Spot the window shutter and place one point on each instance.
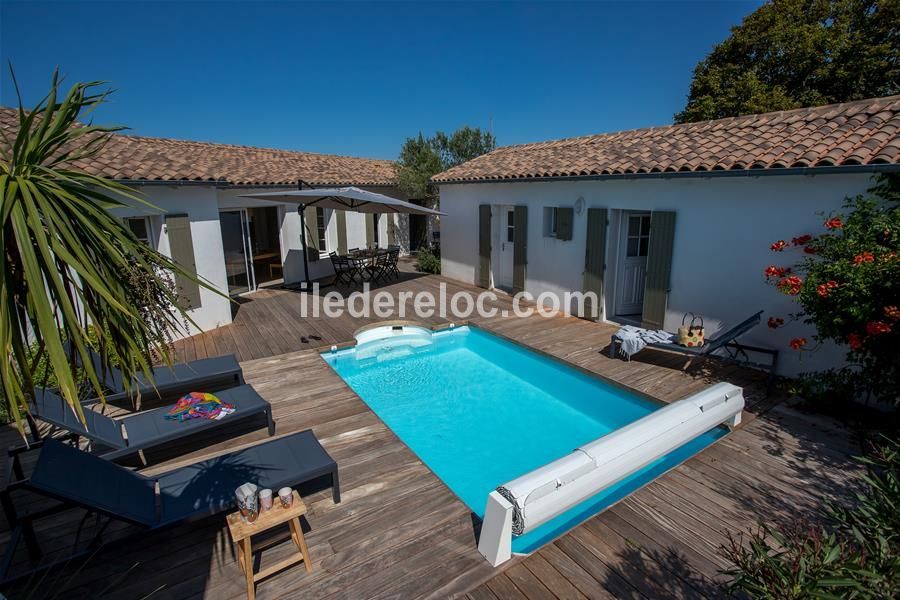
(370, 230)
(564, 217)
(484, 246)
(520, 248)
(181, 249)
(659, 269)
(595, 260)
(312, 233)
(341, 231)
(391, 229)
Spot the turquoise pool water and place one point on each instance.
(480, 411)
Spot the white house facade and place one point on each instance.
(198, 217)
(657, 230)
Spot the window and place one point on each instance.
(510, 226)
(550, 220)
(140, 227)
(638, 235)
(321, 226)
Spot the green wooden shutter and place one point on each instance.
(595, 260)
(564, 217)
(312, 233)
(181, 250)
(520, 248)
(370, 230)
(484, 245)
(391, 229)
(659, 268)
(341, 217)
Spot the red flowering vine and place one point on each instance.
(775, 322)
(801, 240)
(834, 223)
(892, 312)
(864, 257)
(773, 271)
(778, 246)
(855, 340)
(877, 328)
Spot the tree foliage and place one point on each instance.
(848, 286)
(795, 53)
(72, 272)
(422, 158)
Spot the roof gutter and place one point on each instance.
(227, 184)
(834, 170)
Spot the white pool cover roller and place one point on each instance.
(531, 500)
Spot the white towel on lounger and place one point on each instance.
(634, 339)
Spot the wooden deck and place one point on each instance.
(400, 533)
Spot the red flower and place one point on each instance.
(775, 322)
(892, 313)
(801, 240)
(778, 246)
(832, 284)
(790, 285)
(773, 271)
(855, 341)
(809, 250)
(798, 343)
(865, 257)
(834, 223)
(822, 290)
(877, 327)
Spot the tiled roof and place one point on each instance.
(128, 157)
(855, 133)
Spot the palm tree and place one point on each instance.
(72, 271)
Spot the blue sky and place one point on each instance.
(352, 78)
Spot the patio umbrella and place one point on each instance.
(340, 198)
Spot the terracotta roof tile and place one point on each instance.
(854, 133)
(129, 157)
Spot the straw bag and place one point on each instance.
(691, 335)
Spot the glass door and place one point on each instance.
(238, 255)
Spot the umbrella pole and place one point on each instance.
(301, 208)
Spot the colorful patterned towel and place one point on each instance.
(199, 405)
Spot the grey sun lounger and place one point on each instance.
(78, 479)
(204, 375)
(727, 341)
(146, 429)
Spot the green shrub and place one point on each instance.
(854, 554)
(429, 260)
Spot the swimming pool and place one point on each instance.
(481, 411)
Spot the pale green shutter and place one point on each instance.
(484, 245)
(312, 233)
(595, 260)
(341, 231)
(181, 250)
(391, 229)
(659, 269)
(520, 248)
(564, 218)
(370, 230)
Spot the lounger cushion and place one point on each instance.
(194, 372)
(53, 409)
(70, 474)
(208, 487)
(151, 427)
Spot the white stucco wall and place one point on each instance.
(200, 204)
(724, 226)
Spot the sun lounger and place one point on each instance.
(726, 341)
(78, 479)
(207, 374)
(146, 429)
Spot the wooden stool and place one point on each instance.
(242, 531)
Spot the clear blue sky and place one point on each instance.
(358, 79)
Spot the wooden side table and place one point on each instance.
(242, 531)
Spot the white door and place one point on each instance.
(238, 253)
(503, 273)
(633, 264)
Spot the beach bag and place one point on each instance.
(691, 335)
